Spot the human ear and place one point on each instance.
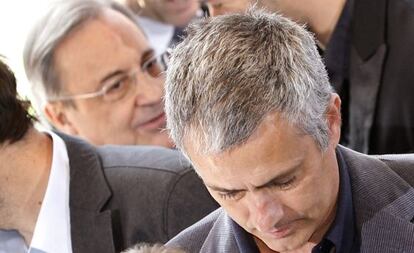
(56, 114)
(333, 118)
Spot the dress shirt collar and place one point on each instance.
(52, 230)
(341, 234)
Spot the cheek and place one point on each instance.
(312, 199)
(156, 138)
(114, 119)
(305, 199)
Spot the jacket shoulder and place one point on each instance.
(195, 237)
(144, 157)
(402, 164)
(156, 191)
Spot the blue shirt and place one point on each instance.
(340, 237)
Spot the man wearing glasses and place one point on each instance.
(61, 194)
(95, 76)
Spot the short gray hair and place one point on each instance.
(233, 70)
(62, 18)
(148, 248)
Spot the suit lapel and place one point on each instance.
(383, 205)
(368, 53)
(92, 229)
(365, 81)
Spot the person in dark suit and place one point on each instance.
(61, 194)
(366, 46)
(255, 113)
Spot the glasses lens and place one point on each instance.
(157, 65)
(117, 89)
(154, 67)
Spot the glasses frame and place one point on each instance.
(161, 59)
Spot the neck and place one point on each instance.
(24, 173)
(322, 18)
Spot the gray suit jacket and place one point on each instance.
(123, 195)
(383, 195)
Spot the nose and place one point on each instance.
(149, 91)
(265, 211)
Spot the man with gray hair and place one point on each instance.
(249, 102)
(367, 49)
(94, 74)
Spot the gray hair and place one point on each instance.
(148, 248)
(62, 18)
(233, 70)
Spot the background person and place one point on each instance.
(366, 47)
(94, 74)
(164, 20)
(258, 119)
(60, 194)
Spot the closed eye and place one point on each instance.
(116, 85)
(285, 185)
(230, 195)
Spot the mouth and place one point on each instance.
(154, 123)
(281, 231)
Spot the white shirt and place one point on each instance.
(52, 230)
(159, 34)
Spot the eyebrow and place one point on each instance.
(278, 179)
(145, 56)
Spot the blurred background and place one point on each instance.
(16, 18)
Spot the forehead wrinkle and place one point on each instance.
(229, 178)
(110, 31)
(254, 163)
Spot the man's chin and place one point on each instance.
(284, 244)
(155, 139)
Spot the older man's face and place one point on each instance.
(278, 186)
(103, 52)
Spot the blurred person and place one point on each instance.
(60, 194)
(95, 76)
(367, 50)
(148, 248)
(164, 20)
(258, 119)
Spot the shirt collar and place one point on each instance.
(342, 230)
(12, 241)
(52, 230)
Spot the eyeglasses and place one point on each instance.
(116, 89)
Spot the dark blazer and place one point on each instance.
(383, 195)
(381, 105)
(123, 195)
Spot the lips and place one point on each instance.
(281, 231)
(156, 122)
